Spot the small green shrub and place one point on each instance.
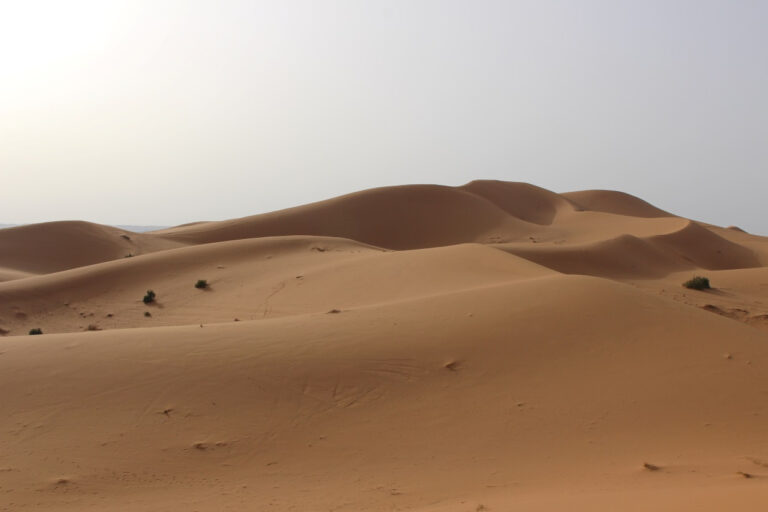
(147, 314)
(149, 297)
(201, 284)
(36, 330)
(697, 283)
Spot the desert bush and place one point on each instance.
(201, 284)
(36, 330)
(697, 283)
(147, 314)
(149, 297)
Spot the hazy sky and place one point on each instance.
(164, 112)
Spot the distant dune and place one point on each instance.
(126, 227)
(494, 346)
(54, 246)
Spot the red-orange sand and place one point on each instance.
(494, 346)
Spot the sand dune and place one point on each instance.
(624, 256)
(612, 201)
(54, 246)
(494, 346)
(521, 200)
(9, 274)
(690, 247)
(706, 249)
(407, 217)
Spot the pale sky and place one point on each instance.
(165, 112)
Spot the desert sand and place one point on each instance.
(494, 346)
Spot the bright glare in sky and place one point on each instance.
(167, 112)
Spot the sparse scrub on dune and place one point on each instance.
(147, 314)
(697, 283)
(201, 284)
(36, 330)
(149, 297)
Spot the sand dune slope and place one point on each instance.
(612, 201)
(492, 397)
(248, 279)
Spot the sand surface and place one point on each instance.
(494, 346)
